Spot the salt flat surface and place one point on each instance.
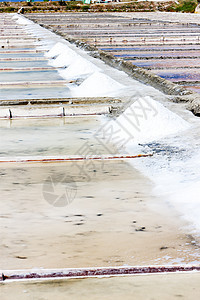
(171, 135)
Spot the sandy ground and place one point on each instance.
(143, 287)
(113, 220)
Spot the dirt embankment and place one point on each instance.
(62, 6)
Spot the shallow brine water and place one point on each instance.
(34, 93)
(29, 76)
(20, 55)
(23, 64)
(48, 137)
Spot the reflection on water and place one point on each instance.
(23, 64)
(20, 55)
(30, 76)
(62, 136)
(35, 93)
(166, 63)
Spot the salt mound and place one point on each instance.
(58, 49)
(78, 68)
(64, 55)
(98, 84)
(64, 59)
(147, 120)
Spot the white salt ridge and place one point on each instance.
(64, 59)
(57, 49)
(62, 54)
(21, 20)
(147, 120)
(180, 191)
(186, 200)
(182, 187)
(98, 84)
(77, 66)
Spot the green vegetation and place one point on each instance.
(85, 7)
(9, 10)
(72, 6)
(187, 6)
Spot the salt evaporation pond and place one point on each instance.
(151, 40)
(105, 206)
(181, 148)
(172, 139)
(167, 63)
(34, 93)
(32, 76)
(23, 64)
(21, 55)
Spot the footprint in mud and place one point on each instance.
(141, 229)
(78, 215)
(21, 257)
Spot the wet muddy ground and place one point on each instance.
(112, 220)
(107, 216)
(170, 286)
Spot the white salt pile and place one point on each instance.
(76, 66)
(61, 55)
(57, 49)
(21, 20)
(146, 120)
(95, 84)
(98, 84)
